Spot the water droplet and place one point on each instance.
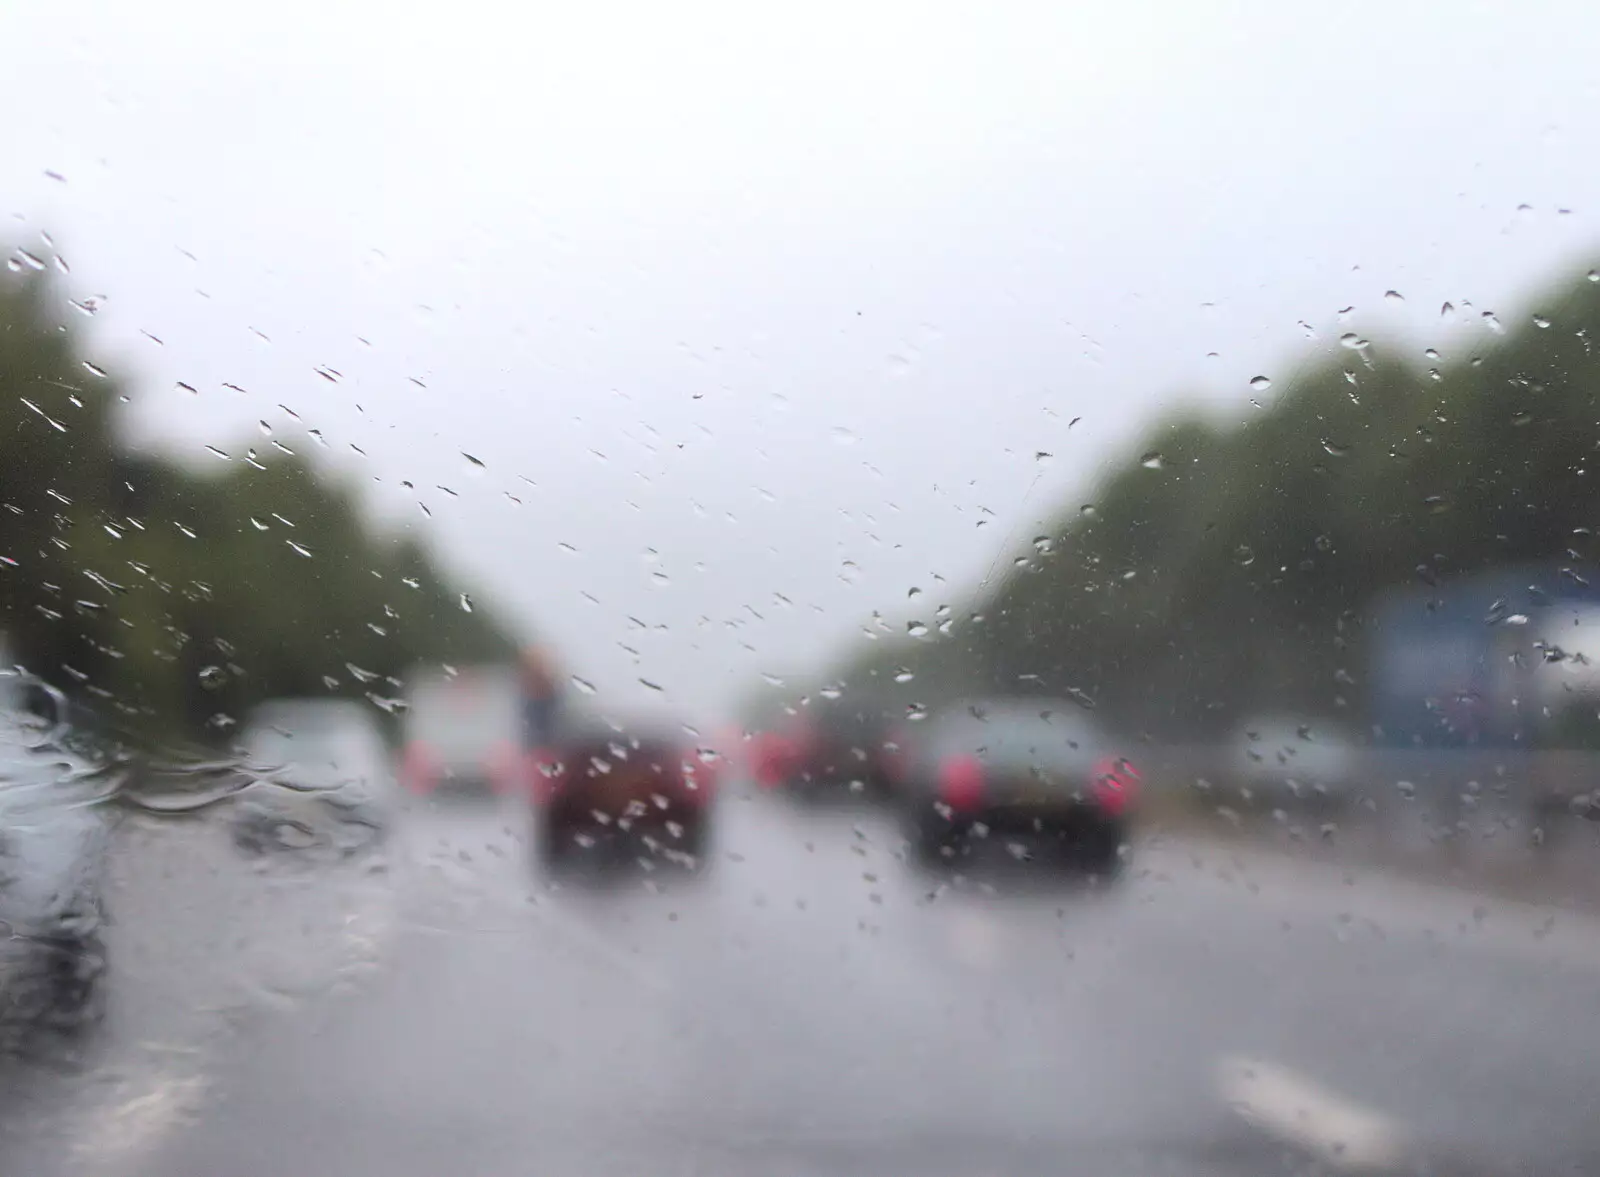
(916, 629)
(94, 369)
(1491, 322)
(1088, 510)
(1522, 418)
(266, 430)
(904, 675)
(211, 449)
(1353, 341)
(1541, 322)
(831, 691)
(772, 680)
(1043, 544)
(913, 593)
(1431, 353)
(299, 548)
(916, 712)
(1593, 275)
(213, 677)
(653, 686)
(1447, 311)
(478, 462)
(1152, 460)
(1335, 448)
(583, 685)
(1043, 456)
(259, 526)
(660, 579)
(1261, 383)
(1394, 296)
(1244, 554)
(842, 436)
(466, 603)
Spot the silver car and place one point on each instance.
(320, 778)
(54, 834)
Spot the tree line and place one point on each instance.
(1224, 570)
(167, 601)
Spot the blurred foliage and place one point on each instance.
(1226, 571)
(168, 601)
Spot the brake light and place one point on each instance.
(773, 756)
(1116, 785)
(504, 765)
(961, 783)
(418, 770)
(546, 775)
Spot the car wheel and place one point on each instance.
(935, 840)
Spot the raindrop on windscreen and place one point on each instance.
(1394, 296)
(584, 685)
(1261, 383)
(916, 629)
(1337, 449)
(212, 677)
(916, 712)
(904, 675)
(831, 692)
(466, 603)
(1353, 341)
(1244, 554)
(300, 549)
(1541, 321)
(653, 686)
(772, 680)
(913, 593)
(843, 436)
(477, 462)
(1042, 456)
(1431, 353)
(1152, 460)
(1522, 418)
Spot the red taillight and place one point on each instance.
(504, 768)
(1116, 785)
(418, 770)
(546, 774)
(961, 783)
(773, 757)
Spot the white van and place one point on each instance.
(462, 730)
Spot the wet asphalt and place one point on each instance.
(808, 1003)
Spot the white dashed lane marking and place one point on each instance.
(1297, 1112)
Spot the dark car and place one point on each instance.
(837, 745)
(607, 786)
(53, 841)
(1034, 769)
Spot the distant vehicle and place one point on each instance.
(1292, 763)
(321, 778)
(53, 841)
(834, 746)
(642, 787)
(462, 732)
(1033, 768)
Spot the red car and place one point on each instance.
(643, 790)
(835, 747)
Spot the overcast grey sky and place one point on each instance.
(769, 299)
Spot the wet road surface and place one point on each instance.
(812, 1005)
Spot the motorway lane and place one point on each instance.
(813, 1005)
